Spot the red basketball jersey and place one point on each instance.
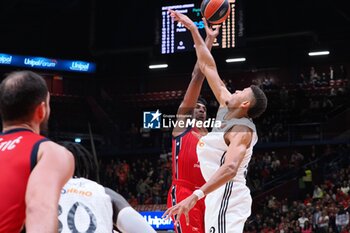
(18, 156)
(185, 160)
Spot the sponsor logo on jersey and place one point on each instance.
(76, 191)
(200, 143)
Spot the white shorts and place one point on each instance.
(227, 208)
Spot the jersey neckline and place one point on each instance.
(15, 130)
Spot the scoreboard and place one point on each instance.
(176, 38)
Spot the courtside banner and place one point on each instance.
(154, 218)
(47, 63)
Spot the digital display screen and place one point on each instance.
(176, 38)
(47, 63)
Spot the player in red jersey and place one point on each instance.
(186, 174)
(33, 169)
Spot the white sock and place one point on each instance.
(130, 221)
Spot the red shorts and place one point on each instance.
(196, 215)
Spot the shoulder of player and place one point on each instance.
(239, 133)
(110, 192)
(180, 131)
(53, 148)
(113, 195)
(240, 129)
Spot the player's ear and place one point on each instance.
(40, 112)
(246, 104)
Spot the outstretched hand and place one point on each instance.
(212, 31)
(181, 208)
(179, 17)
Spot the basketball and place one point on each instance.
(215, 11)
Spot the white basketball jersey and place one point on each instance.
(84, 206)
(211, 148)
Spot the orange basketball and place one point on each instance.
(215, 11)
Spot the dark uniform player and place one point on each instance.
(186, 172)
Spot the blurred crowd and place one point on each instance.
(147, 180)
(140, 181)
(323, 208)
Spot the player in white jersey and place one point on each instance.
(224, 153)
(86, 206)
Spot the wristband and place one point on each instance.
(199, 193)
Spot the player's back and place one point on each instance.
(84, 206)
(18, 157)
(185, 160)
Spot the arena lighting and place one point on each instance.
(318, 53)
(158, 66)
(77, 140)
(239, 59)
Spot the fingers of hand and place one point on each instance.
(205, 22)
(177, 218)
(169, 212)
(187, 219)
(216, 27)
(172, 13)
(166, 214)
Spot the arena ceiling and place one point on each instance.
(91, 28)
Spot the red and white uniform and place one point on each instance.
(187, 177)
(18, 157)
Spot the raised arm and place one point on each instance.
(205, 59)
(194, 88)
(54, 168)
